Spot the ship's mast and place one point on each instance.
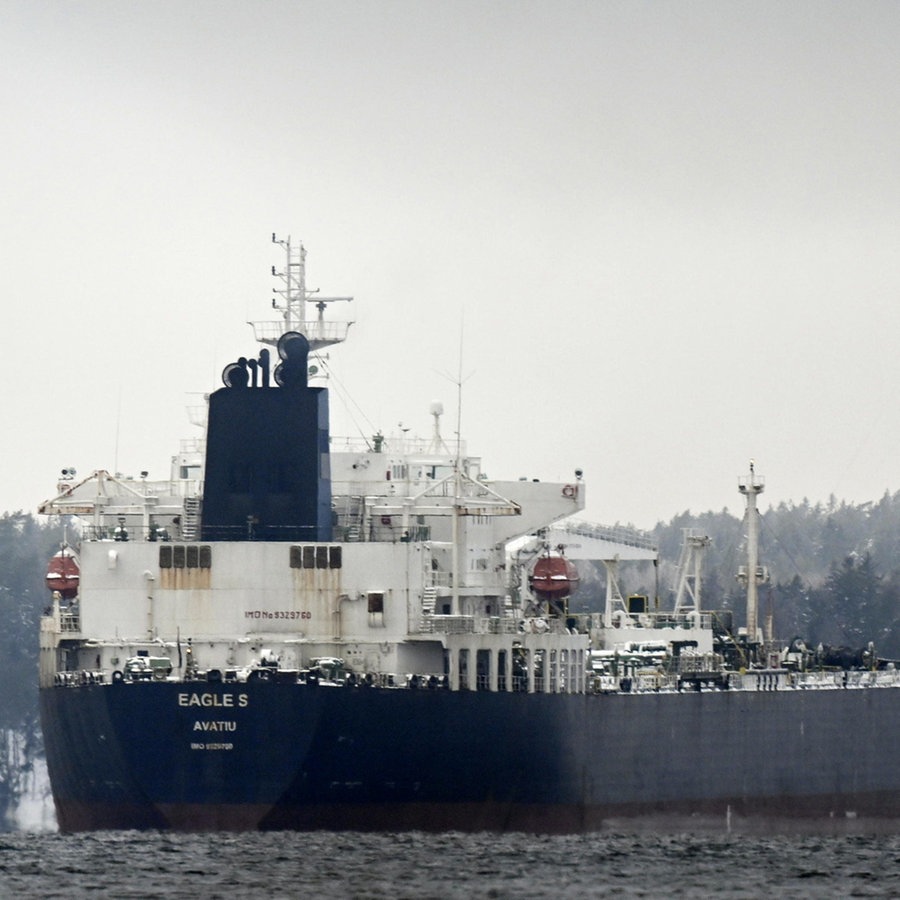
(291, 301)
(294, 307)
(690, 567)
(751, 486)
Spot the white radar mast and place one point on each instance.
(752, 574)
(291, 301)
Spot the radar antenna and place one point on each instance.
(291, 299)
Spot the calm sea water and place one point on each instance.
(290, 865)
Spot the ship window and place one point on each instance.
(181, 556)
(376, 601)
(315, 557)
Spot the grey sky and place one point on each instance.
(667, 232)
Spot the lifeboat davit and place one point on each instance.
(63, 574)
(553, 578)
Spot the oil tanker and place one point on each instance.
(299, 631)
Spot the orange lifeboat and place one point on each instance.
(63, 574)
(553, 578)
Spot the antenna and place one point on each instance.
(457, 478)
(459, 384)
(291, 300)
(294, 309)
(118, 427)
(437, 441)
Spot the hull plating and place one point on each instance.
(197, 756)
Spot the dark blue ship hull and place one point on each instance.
(260, 755)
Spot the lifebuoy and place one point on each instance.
(569, 491)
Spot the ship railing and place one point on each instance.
(645, 682)
(699, 662)
(615, 534)
(439, 579)
(442, 624)
(818, 680)
(538, 625)
(255, 531)
(654, 681)
(189, 446)
(124, 533)
(495, 625)
(349, 528)
(448, 625)
(331, 332)
(69, 622)
(583, 622)
(883, 678)
(602, 683)
(78, 679)
(853, 678)
(397, 445)
(413, 495)
(664, 620)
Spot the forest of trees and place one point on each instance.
(26, 544)
(834, 579)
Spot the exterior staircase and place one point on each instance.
(190, 520)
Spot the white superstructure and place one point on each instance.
(414, 582)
